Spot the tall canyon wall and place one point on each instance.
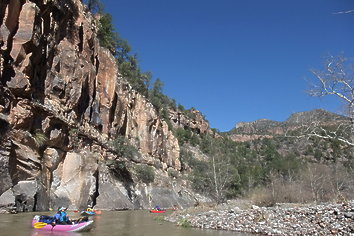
(62, 104)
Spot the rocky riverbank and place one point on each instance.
(323, 219)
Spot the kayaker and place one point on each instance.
(89, 208)
(61, 217)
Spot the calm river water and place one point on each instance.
(122, 223)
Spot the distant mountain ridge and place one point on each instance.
(264, 128)
(316, 114)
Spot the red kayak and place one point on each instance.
(157, 211)
(98, 212)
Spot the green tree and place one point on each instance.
(181, 107)
(183, 135)
(218, 176)
(160, 101)
(106, 34)
(131, 71)
(122, 52)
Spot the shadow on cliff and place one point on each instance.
(121, 173)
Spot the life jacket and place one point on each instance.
(61, 217)
(46, 219)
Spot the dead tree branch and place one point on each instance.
(336, 79)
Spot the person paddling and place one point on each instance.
(61, 217)
(157, 208)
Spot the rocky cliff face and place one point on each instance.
(259, 129)
(195, 122)
(62, 104)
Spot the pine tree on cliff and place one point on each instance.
(106, 35)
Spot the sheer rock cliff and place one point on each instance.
(63, 105)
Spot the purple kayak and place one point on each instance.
(80, 227)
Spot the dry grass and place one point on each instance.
(317, 183)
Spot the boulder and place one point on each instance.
(24, 193)
(7, 201)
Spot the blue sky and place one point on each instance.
(236, 60)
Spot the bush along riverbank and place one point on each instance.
(322, 219)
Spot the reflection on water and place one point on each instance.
(43, 233)
(122, 223)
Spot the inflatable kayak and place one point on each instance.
(157, 211)
(80, 227)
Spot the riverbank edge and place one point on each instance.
(283, 219)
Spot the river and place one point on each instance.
(122, 223)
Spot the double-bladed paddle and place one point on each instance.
(39, 225)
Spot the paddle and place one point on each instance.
(39, 225)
